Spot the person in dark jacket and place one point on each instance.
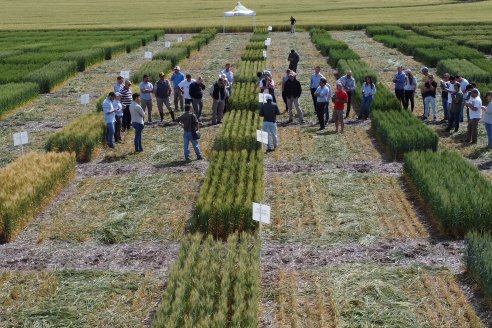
(196, 93)
(163, 91)
(218, 92)
(293, 60)
(293, 90)
(269, 112)
(189, 123)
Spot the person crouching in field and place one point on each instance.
(138, 116)
(269, 112)
(189, 122)
(340, 98)
(109, 117)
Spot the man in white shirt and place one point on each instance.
(120, 83)
(109, 118)
(463, 83)
(229, 74)
(146, 90)
(184, 87)
(475, 106)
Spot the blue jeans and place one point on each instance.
(445, 107)
(462, 108)
(110, 134)
(138, 136)
(187, 137)
(365, 107)
(271, 129)
(488, 128)
(327, 112)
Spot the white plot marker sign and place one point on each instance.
(148, 55)
(20, 139)
(125, 74)
(264, 54)
(261, 213)
(167, 44)
(180, 39)
(84, 99)
(262, 136)
(262, 98)
(270, 28)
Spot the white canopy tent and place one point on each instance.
(240, 10)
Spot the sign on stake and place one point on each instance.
(264, 54)
(262, 98)
(85, 99)
(180, 39)
(262, 136)
(167, 44)
(125, 74)
(20, 139)
(270, 28)
(148, 55)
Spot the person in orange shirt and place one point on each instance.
(340, 98)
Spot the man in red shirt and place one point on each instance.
(340, 98)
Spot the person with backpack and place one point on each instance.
(163, 91)
(189, 122)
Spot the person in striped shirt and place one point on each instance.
(126, 100)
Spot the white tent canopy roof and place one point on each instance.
(239, 10)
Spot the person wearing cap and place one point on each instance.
(177, 77)
(349, 86)
(456, 96)
(184, 88)
(475, 106)
(109, 118)
(409, 88)
(340, 98)
(314, 83)
(269, 112)
(219, 93)
(463, 83)
(196, 93)
(126, 100)
(118, 117)
(444, 95)
(323, 95)
(189, 122)
(163, 91)
(138, 116)
(487, 119)
(368, 93)
(293, 60)
(399, 81)
(120, 83)
(429, 94)
(229, 75)
(293, 91)
(146, 90)
(267, 85)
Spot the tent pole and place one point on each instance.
(254, 23)
(223, 26)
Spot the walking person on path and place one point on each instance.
(292, 24)
(340, 98)
(293, 91)
(163, 91)
(269, 112)
(184, 88)
(429, 94)
(189, 122)
(410, 87)
(109, 118)
(177, 77)
(293, 60)
(126, 100)
(314, 83)
(196, 93)
(218, 92)
(118, 117)
(146, 90)
(475, 106)
(399, 81)
(349, 86)
(487, 119)
(138, 116)
(456, 96)
(323, 94)
(368, 93)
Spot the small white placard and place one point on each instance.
(269, 40)
(180, 39)
(261, 98)
(264, 54)
(262, 136)
(167, 44)
(21, 138)
(148, 55)
(270, 28)
(125, 74)
(261, 213)
(84, 99)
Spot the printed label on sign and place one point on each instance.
(264, 54)
(262, 98)
(125, 74)
(267, 43)
(148, 55)
(167, 44)
(261, 213)
(20, 138)
(84, 99)
(262, 136)
(270, 28)
(180, 39)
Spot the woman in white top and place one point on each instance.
(409, 89)
(368, 93)
(487, 118)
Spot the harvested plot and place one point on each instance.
(27, 185)
(213, 284)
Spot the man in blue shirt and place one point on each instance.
(109, 117)
(399, 81)
(176, 78)
(322, 94)
(314, 83)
